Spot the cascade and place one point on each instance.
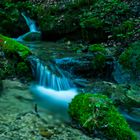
(50, 76)
(53, 90)
(33, 34)
(30, 23)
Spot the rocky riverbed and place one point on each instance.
(18, 120)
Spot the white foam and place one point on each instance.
(54, 101)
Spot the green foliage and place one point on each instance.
(101, 17)
(130, 58)
(91, 22)
(95, 18)
(125, 30)
(81, 3)
(97, 112)
(10, 14)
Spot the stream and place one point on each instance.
(48, 51)
(21, 119)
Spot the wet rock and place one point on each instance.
(30, 36)
(86, 109)
(76, 65)
(9, 84)
(123, 94)
(84, 66)
(17, 120)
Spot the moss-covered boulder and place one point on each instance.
(130, 59)
(12, 48)
(99, 59)
(97, 113)
(14, 61)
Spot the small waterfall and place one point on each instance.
(30, 23)
(53, 91)
(50, 76)
(33, 34)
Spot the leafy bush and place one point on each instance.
(124, 30)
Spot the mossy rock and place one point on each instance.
(92, 22)
(12, 47)
(15, 62)
(97, 48)
(130, 58)
(99, 58)
(97, 112)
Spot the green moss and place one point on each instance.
(99, 58)
(15, 62)
(91, 22)
(117, 127)
(95, 19)
(22, 68)
(124, 30)
(97, 112)
(98, 61)
(97, 48)
(130, 58)
(12, 47)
